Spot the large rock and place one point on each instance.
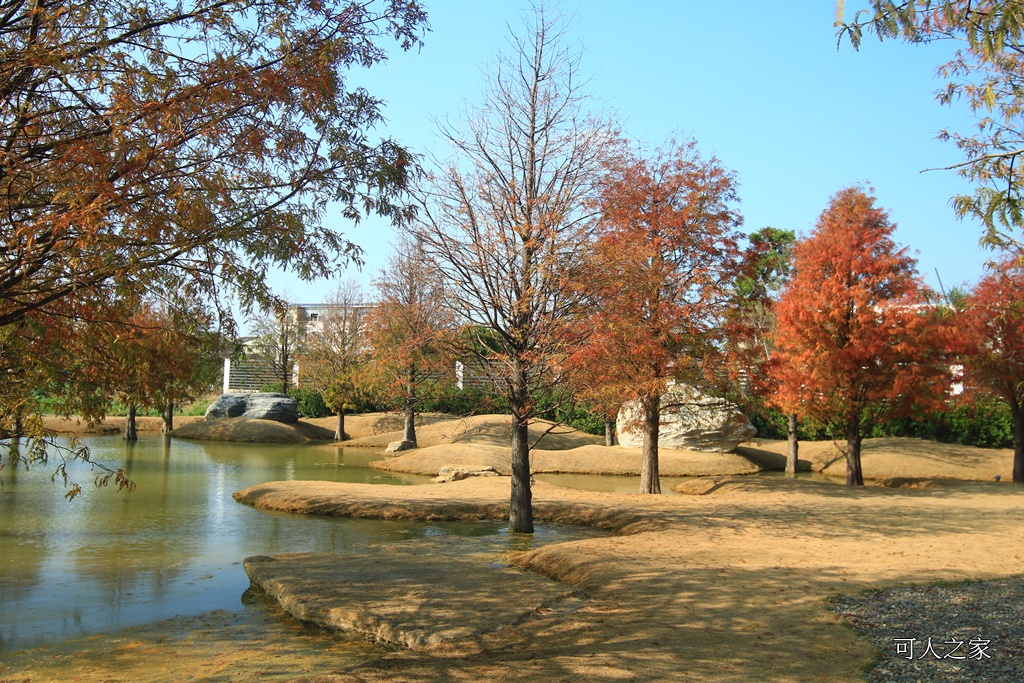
(694, 421)
(257, 406)
(228, 405)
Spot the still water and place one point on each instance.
(174, 547)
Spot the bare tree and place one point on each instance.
(278, 338)
(507, 223)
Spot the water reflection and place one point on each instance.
(174, 546)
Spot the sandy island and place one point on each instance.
(726, 586)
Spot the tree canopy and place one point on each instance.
(333, 356)
(410, 332)
(198, 143)
(986, 73)
(765, 267)
(166, 152)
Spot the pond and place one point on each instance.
(174, 547)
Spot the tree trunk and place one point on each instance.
(794, 446)
(339, 429)
(520, 511)
(130, 434)
(854, 475)
(168, 425)
(285, 362)
(650, 482)
(410, 418)
(1018, 441)
(609, 432)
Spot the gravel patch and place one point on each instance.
(970, 631)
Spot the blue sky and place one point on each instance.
(760, 85)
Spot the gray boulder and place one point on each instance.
(694, 421)
(277, 407)
(398, 446)
(228, 405)
(256, 406)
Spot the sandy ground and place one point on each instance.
(588, 459)
(240, 429)
(369, 430)
(112, 424)
(253, 431)
(435, 429)
(894, 457)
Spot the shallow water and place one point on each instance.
(174, 547)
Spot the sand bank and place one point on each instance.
(723, 587)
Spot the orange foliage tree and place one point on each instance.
(856, 339)
(148, 359)
(143, 353)
(410, 332)
(198, 140)
(991, 327)
(333, 356)
(660, 280)
(186, 146)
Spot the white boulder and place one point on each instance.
(690, 420)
